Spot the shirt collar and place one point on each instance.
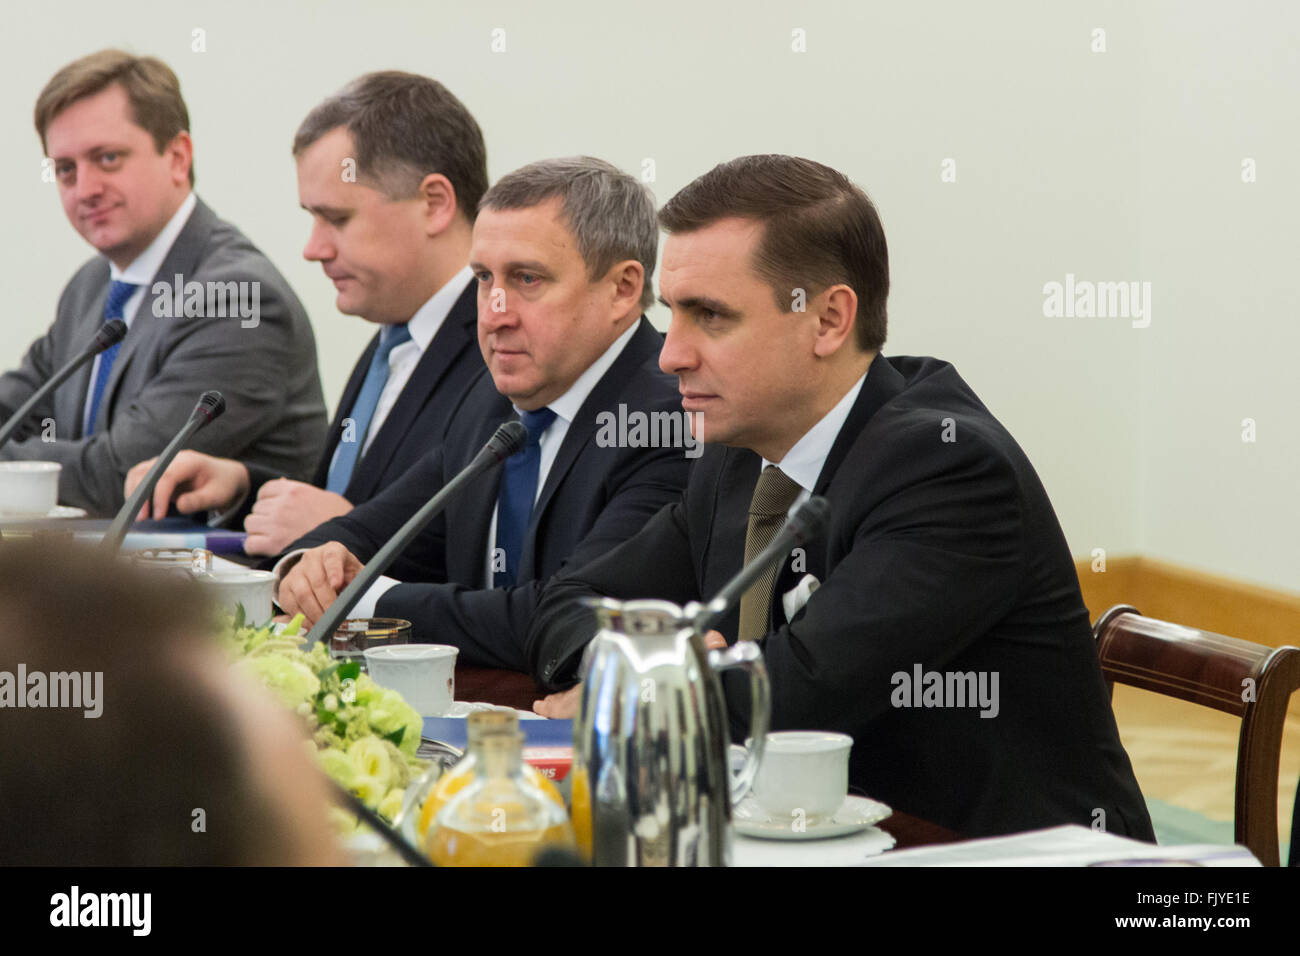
(146, 265)
(428, 319)
(803, 463)
(568, 404)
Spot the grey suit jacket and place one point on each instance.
(264, 364)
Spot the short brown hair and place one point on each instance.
(151, 88)
(404, 127)
(818, 229)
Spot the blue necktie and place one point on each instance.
(518, 489)
(363, 409)
(118, 293)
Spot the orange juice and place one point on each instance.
(581, 812)
(493, 809)
(448, 847)
(452, 782)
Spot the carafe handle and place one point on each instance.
(747, 656)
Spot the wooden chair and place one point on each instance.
(1250, 681)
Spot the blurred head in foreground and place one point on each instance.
(128, 740)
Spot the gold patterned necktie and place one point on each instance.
(773, 496)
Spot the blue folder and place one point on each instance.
(537, 733)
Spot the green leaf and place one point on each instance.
(239, 616)
(396, 736)
(349, 669)
(325, 674)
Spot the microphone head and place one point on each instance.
(509, 438)
(810, 519)
(109, 334)
(211, 404)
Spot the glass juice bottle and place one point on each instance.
(494, 809)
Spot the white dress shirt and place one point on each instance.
(141, 271)
(804, 461)
(566, 408)
(402, 360)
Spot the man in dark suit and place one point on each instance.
(938, 620)
(394, 238)
(564, 251)
(205, 309)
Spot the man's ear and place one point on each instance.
(180, 153)
(836, 310)
(628, 278)
(439, 199)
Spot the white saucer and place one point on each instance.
(58, 511)
(463, 708)
(854, 815)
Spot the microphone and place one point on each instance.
(210, 406)
(108, 334)
(509, 438)
(804, 523)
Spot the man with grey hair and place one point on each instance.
(391, 168)
(563, 251)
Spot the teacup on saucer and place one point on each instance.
(853, 815)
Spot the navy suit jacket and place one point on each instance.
(942, 554)
(417, 422)
(594, 498)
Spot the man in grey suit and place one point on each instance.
(205, 309)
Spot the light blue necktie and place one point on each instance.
(363, 409)
(518, 489)
(118, 293)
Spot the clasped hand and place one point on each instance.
(315, 581)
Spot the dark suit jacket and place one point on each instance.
(942, 554)
(594, 498)
(275, 412)
(417, 422)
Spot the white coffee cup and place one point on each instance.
(804, 775)
(29, 487)
(250, 588)
(424, 674)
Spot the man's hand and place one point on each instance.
(313, 584)
(285, 511)
(204, 483)
(560, 706)
(564, 704)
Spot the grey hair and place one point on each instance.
(610, 213)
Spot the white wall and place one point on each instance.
(1222, 257)
(1112, 166)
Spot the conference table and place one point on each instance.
(513, 689)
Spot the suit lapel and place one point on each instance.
(644, 344)
(146, 328)
(350, 392)
(472, 515)
(883, 382)
(728, 522)
(70, 398)
(458, 332)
